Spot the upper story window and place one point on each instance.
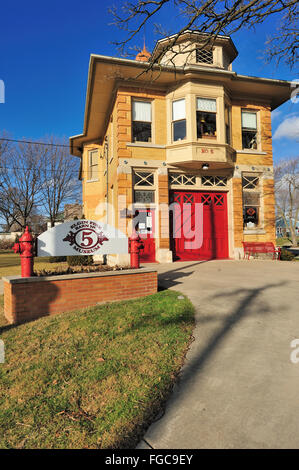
(179, 119)
(142, 121)
(206, 118)
(249, 129)
(227, 124)
(93, 165)
(205, 56)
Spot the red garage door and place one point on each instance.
(187, 224)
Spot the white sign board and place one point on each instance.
(82, 237)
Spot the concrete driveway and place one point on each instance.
(238, 387)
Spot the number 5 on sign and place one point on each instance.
(86, 237)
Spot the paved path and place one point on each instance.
(238, 387)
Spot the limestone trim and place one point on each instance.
(251, 152)
(145, 145)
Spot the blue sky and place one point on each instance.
(44, 63)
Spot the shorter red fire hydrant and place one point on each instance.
(135, 245)
(25, 248)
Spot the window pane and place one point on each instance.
(250, 182)
(251, 216)
(178, 110)
(205, 104)
(93, 157)
(249, 139)
(227, 124)
(142, 131)
(206, 124)
(204, 55)
(93, 173)
(248, 120)
(142, 111)
(144, 196)
(251, 198)
(143, 178)
(179, 130)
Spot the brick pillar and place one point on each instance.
(163, 253)
(124, 125)
(237, 212)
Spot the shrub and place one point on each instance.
(79, 260)
(6, 244)
(57, 259)
(286, 255)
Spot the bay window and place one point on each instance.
(249, 129)
(206, 118)
(227, 124)
(141, 121)
(179, 120)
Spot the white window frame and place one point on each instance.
(178, 120)
(91, 166)
(140, 100)
(258, 143)
(210, 98)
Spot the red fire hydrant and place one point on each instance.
(25, 248)
(135, 245)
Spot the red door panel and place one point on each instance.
(214, 225)
(146, 231)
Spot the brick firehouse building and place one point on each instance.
(190, 130)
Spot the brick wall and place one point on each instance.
(30, 298)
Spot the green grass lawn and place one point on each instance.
(10, 264)
(284, 241)
(94, 378)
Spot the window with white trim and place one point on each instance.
(93, 164)
(227, 118)
(144, 186)
(249, 129)
(251, 200)
(206, 110)
(141, 121)
(218, 181)
(181, 179)
(179, 120)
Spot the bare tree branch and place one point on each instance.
(286, 177)
(59, 177)
(213, 17)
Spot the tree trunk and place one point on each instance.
(293, 236)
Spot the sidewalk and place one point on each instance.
(238, 387)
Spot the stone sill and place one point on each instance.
(63, 277)
(254, 232)
(146, 145)
(252, 152)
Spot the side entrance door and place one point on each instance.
(146, 231)
(214, 225)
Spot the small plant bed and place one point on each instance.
(78, 269)
(94, 378)
(10, 264)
